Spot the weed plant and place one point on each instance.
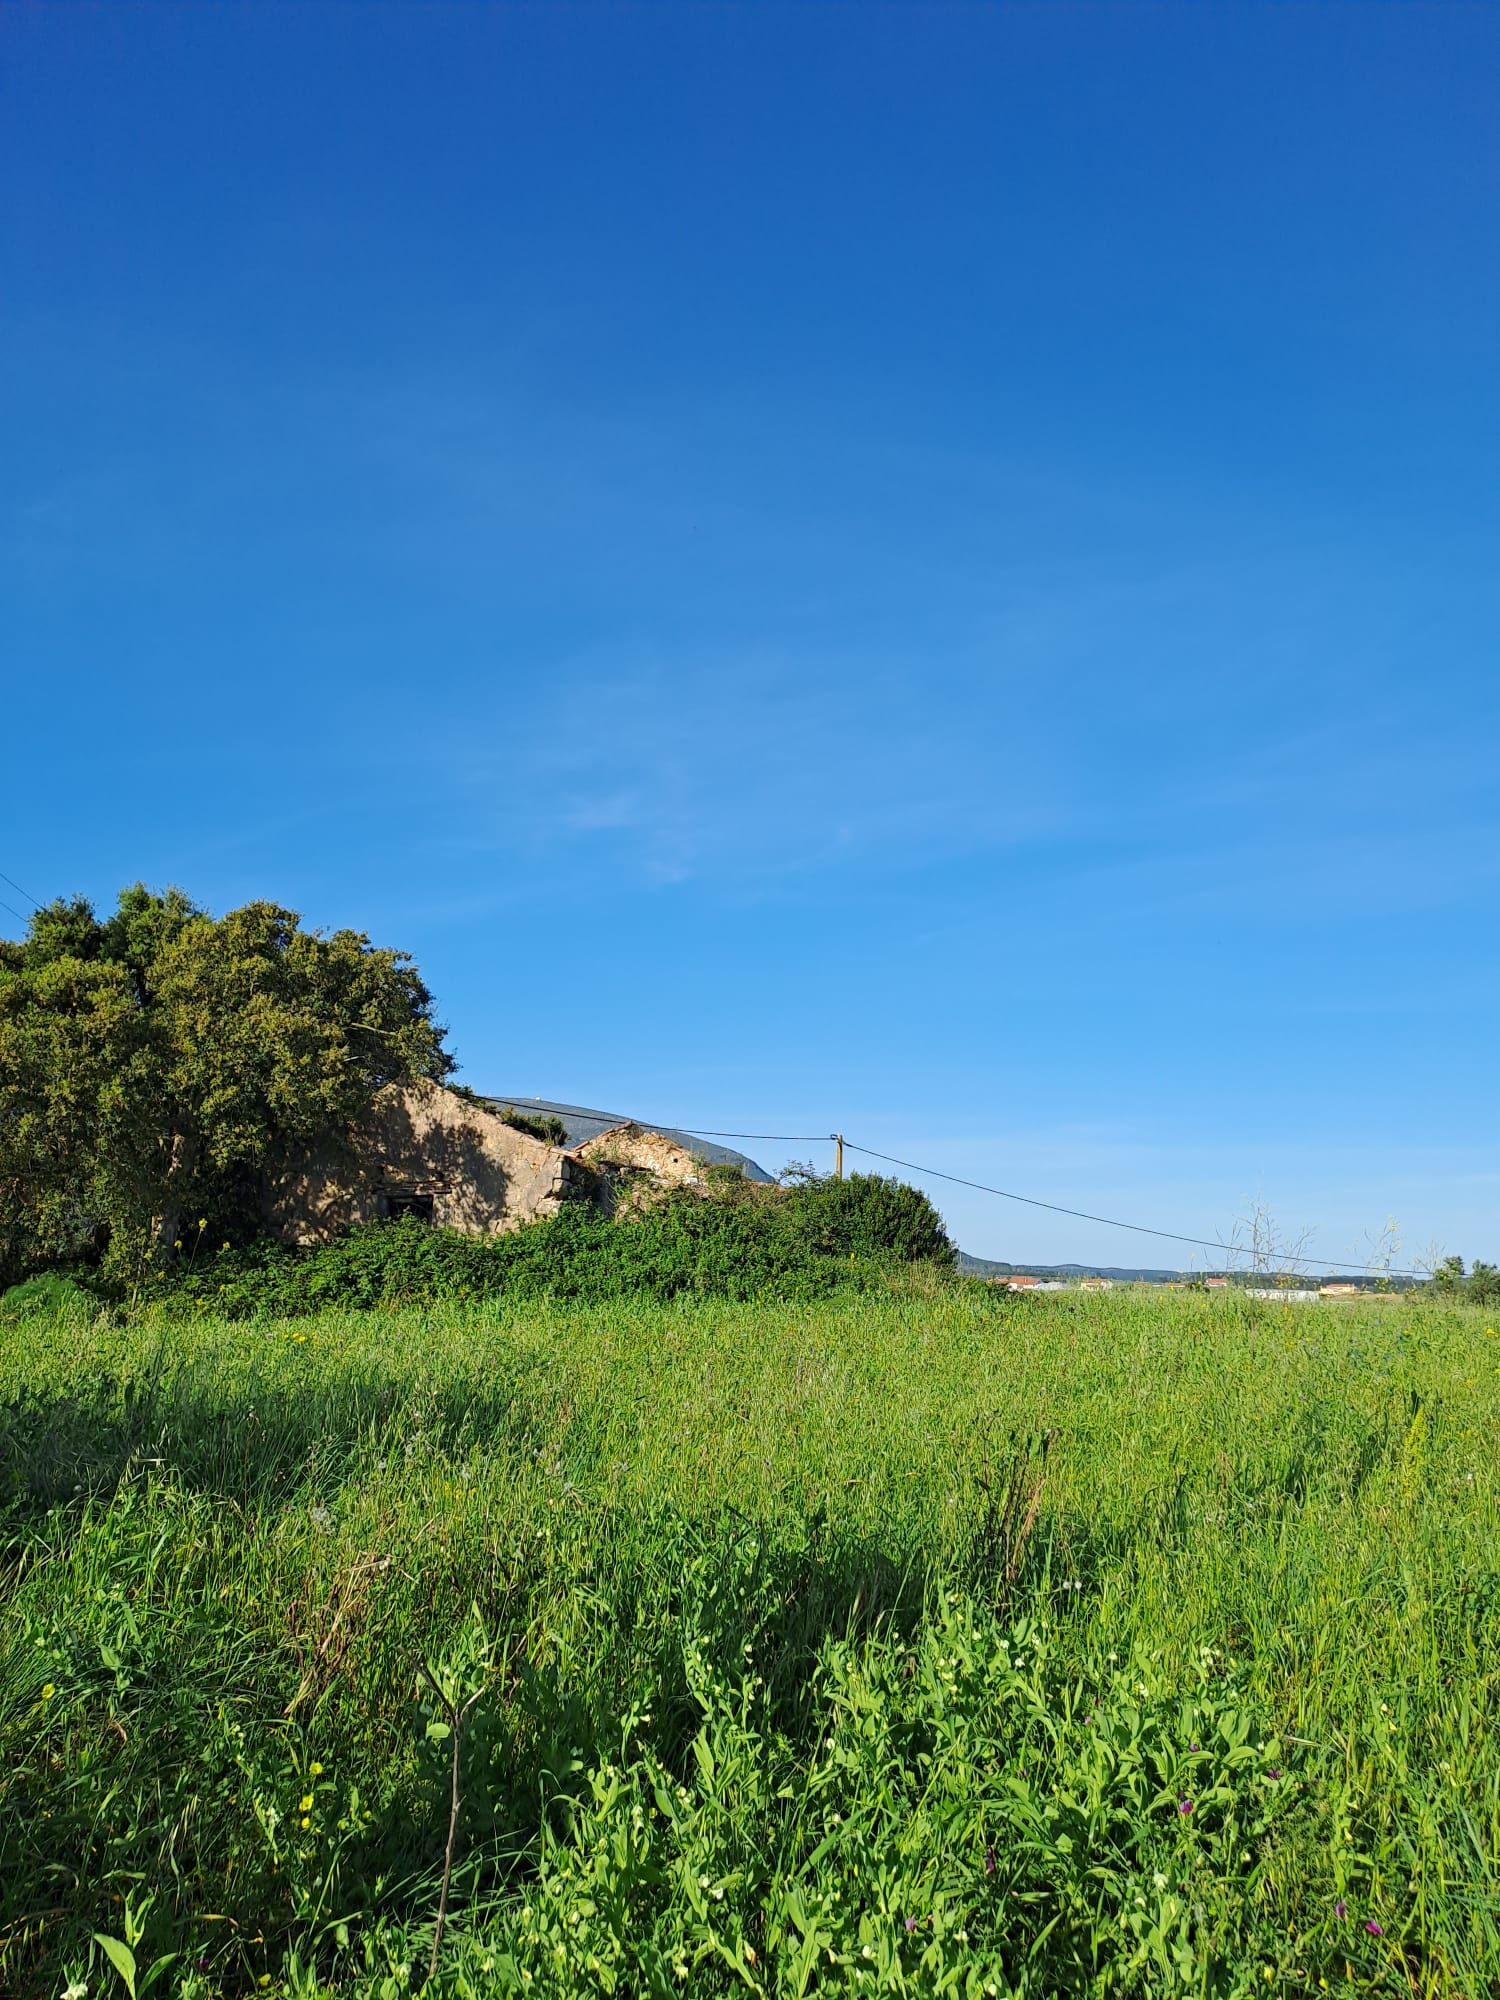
(917, 1639)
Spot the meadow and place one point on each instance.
(919, 1639)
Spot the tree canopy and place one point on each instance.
(155, 1067)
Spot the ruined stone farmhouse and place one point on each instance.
(456, 1162)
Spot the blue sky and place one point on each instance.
(928, 571)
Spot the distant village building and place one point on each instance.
(1096, 1284)
(1339, 1290)
(1016, 1283)
(1216, 1284)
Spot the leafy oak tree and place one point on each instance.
(157, 1067)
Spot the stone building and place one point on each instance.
(455, 1162)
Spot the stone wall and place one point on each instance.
(429, 1150)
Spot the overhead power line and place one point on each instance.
(1109, 1221)
(20, 892)
(1031, 1201)
(791, 1138)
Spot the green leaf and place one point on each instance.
(121, 1957)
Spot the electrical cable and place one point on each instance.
(13, 910)
(1030, 1201)
(1109, 1221)
(20, 892)
(792, 1138)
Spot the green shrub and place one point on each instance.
(869, 1215)
(682, 1245)
(740, 1242)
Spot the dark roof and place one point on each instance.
(581, 1123)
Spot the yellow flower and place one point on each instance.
(316, 1769)
(48, 1691)
(306, 1805)
(305, 1820)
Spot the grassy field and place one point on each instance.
(920, 1641)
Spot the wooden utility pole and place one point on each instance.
(838, 1156)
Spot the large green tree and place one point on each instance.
(157, 1067)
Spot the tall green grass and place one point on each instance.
(914, 1640)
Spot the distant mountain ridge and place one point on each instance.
(990, 1267)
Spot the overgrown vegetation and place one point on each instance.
(543, 1125)
(737, 1241)
(923, 1642)
(1480, 1286)
(683, 1244)
(156, 1067)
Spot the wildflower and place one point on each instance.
(203, 1965)
(911, 1924)
(1341, 1909)
(306, 1805)
(1274, 1773)
(316, 1769)
(1184, 1805)
(1373, 1928)
(48, 1691)
(989, 1861)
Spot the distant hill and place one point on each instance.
(988, 1267)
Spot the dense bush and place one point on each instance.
(683, 1245)
(742, 1242)
(868, 1215)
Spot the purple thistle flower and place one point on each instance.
(1373, 1928)
(1192, 1746)
(911, 1923)
(1341, 1909)
(989, 1861)
(1274, 1773)
(1184, 1805)
(203, 1965)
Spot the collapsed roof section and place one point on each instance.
(582, 1124)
